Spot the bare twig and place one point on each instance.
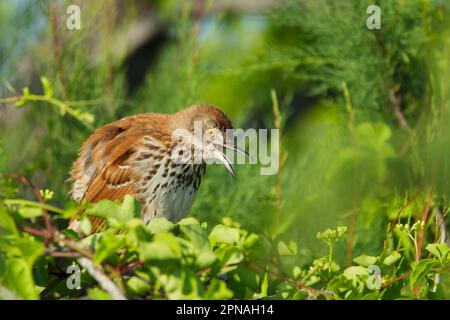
(63, 254)
(400, 277)
(440, 222)
(407, 274)
(131, 267)
(36, 232)
(97, 273)
(426, 211)
(74, 245)
(397, 110)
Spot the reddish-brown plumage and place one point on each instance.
(132, 156)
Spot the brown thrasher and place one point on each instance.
(135, 156)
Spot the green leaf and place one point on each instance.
(196, 235)
(229, 255)
(71, 234)
(371, 296)
(259, 251)
(341, 284)
(287, 249)
(421, 270)
(103, 208)
(199, 242)
(129, 209)
(8, 228)
(2, 264)
(217, 290)
(249, 277)
(137, 232)
(30, 250)
(182, 284)
(106, 246)
(299, 296)
(223, 234)
(85, 225)
(264, 285)
(205, 259)
(365, 261)
(30, 212)
(251, 240)
(158, 225)
(393, 257)
(18, 278)
(48, 89)
(138, 286)
(98, 294)
(164, 248)
(296, 272)
(41, 272)
(440, 250)
(186, 221)
(355, 272)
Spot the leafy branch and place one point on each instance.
(64, 107)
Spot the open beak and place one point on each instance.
(224, 159)
(226, 162)
(236, 149)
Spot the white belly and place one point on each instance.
(173, 205)
(167, 190)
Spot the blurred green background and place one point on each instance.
(363, 111)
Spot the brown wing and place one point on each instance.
(104, 168)
(113, 183)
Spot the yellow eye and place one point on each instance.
(211, 131)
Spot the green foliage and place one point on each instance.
(189, 260)
(18, 254)
(365, 152)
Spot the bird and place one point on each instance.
(153, 157)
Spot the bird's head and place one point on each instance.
(211, 131)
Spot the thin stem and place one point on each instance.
(43, 206)
(395, 101)
(330, 258)
(56, 42)
(424, 218)
(279, 175)
(407, 274)
(63, 254)
(9, 100)
(36, 232)
(351, 125)
(25, 181)
(104, 281)
(64, 107)
(294, 283)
